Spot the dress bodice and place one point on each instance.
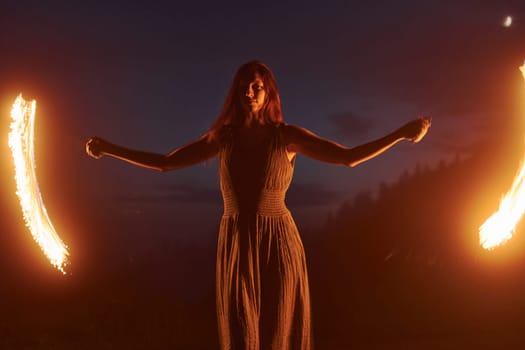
(254, 171)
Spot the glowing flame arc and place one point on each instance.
(499, 227)
(21, 142)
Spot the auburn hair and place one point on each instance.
(232, 110)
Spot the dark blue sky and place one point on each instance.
(153, 76)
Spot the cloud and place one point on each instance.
(299, 195)
(174, 193)
(312, 194)
(348, 125)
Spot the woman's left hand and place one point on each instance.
(415, 130)
(95, 147)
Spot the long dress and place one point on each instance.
(263, 299)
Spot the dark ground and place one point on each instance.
(393, 272)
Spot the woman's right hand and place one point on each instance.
(95, 147)
(415, 130)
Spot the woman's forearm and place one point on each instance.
(195, 152)
(143, 159)
(364, 152)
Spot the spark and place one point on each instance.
(21, 143)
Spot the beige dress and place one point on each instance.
(263, 299)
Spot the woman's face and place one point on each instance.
(253, 94)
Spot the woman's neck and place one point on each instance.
(253, 120)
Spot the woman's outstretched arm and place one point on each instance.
(195, 152)
(302, 141)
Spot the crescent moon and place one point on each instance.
(508, 21)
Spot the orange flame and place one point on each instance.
(21, 139)
(499, 227)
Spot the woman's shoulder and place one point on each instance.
(291, 131)
(223, 133)
(287, 128)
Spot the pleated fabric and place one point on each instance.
(263, 300)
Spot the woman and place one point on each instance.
(262, 284)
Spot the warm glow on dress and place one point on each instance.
(501, 225)
(21, 142)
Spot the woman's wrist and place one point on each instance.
(399, 135)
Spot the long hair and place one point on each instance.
(232, 111)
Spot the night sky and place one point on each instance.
(153, 76)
